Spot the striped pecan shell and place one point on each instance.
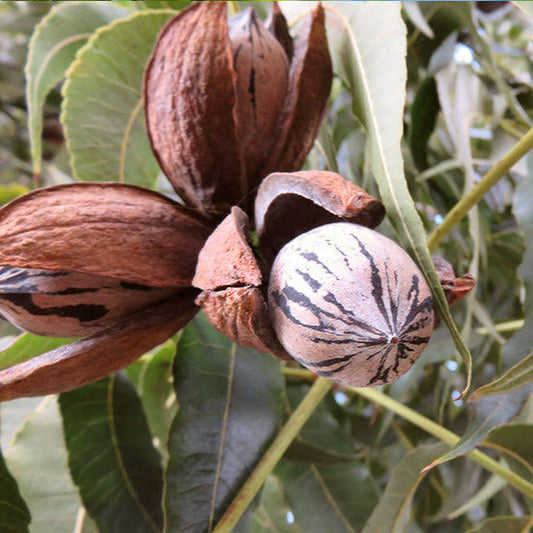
(350, 304)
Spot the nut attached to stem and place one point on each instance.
(350, 304)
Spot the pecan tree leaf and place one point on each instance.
(111, 456)
(53, 46)
(365, 30)
(39, 446)
(14, 513)
(517, 376)
(26, 346)
(393, 508)
(271, 515)
(326, 497)
(230, 399)
(519, 346)
(102, 108)
(490, 413)
(504, 524)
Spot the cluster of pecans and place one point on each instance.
(232, 109)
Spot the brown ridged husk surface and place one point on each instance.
(189, 100)
(87, 360)
(231, 279)
(114, 230)
(310, 81)
(289, 204)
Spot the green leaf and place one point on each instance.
(494, 485)
(424, 112)
(489, 413)
(323, 439)
(165, 4)
(111, 456)
(516, 350)
(230, 399)
(38, 460)
(371, 28)
(271, 514)
(153, 381)
(393, 509)
(515, 440)
(504, 524)
(52, 49)
(332, 498)
(102, 108)
(26, 346)
(14, 513)
(517, 376)
(520, 344)
(12, 191)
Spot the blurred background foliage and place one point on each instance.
(469, 100)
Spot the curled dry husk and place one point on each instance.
(234, 277)
(109, 262)
(227, 105)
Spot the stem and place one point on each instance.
(462, 207)
(511, 325)
(273, 455)
(445, 435)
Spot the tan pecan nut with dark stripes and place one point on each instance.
(321, 287)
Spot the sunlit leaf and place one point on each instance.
(368, 29)
(52, 49)
(102, 108)
(111, 456)
(417, 18)
(165, 4)
(526, 6)
(27, 346)
(230, 402)
(393, 509)
(152, 376)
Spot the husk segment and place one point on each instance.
(72, 366)
(289, 204)
(109, 229)
(189, 101)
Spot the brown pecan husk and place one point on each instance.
(226, 105)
